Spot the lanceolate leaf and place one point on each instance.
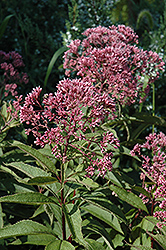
(73, 217)
(27, 198)
(161, 239)
(102, 214)
(95, 226)
(29, 170)
(42, 180)
(39, 240)
(94, 245)
(52, 62)
(149, 119)
(129, 197)
(24, 227)
(60, 245)
(1, 217)
(139, 247)
(42, 159)
(4, 25)
(106, 205)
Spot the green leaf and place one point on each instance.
(2, 135)
(42, 159)
(57, 212)
(42, 180)
(39, 240)
(142, 191)
(27, 198)
(138, 131)
(102, 214)
(24, 227)
(38, 211)
(106, 205)
(89, 183)
(15, 155)
(1, 217)
(161, 239)
(73, 217)
(142, 15)
(139, 247)
(29, 170)
(59, 245)
(4, 25)
(96, 226)
(94, 245)
(149, 119)
(52, 62)
(129, 197)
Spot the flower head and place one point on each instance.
(10, 65)
(66, 117)
(110, 58)
(153, 156)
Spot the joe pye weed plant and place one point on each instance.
(74, 178)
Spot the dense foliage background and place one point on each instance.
(36, 30)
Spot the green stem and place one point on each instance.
(153, 106)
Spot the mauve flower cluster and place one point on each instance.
(110, 59)
(11, 64)
(63, 119)
(154, 164)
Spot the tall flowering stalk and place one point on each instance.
(111, 60)
(64, 120)
(110, 68)
(153, 156)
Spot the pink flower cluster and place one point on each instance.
(10, 65)
(110, 59)
(65, 118)
(154, 164)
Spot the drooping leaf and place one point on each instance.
(145, 14)
(102, 214)
(15, 155)
(45, 162)
(60, 245)
(4, 25)
(27, 198)
(24, 227)
(129, 197)
(142, 191)
(96, 226)
(29, 170)
(106, 205)
(52, 62)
